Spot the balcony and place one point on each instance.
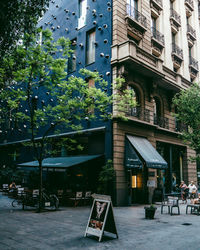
(199, 10)
(162, 122)
(139, 113)
(193, 67)
(177, 56)
(157, 41)
(136, 23)
(191, 35)
(179, 126)
(175, 20)
(189, 5)
(156, 7)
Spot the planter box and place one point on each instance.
(150, 212)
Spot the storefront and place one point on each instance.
(76, 173)
(170, 178)
(141, 162)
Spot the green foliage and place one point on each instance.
(123, 99)
(106, 178)
(187, 104)
(36, 69)
(9, 174)
(16, 18)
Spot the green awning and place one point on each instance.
(61, 162)
(147, 152)
(131, 159)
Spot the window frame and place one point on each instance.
(87, 51)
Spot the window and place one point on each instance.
(135, 111)
(133, 8)
(82, 13)
(90, 47)
(133, 3)
(153, 22)
(157, 110)
(72, 58)
(173, 38)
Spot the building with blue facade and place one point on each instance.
(88, 25)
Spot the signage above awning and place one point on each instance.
(147, 152)
(131, 159)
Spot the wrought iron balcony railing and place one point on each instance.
(199, 10)
(190, 2)
(178, 51)
(157, 35)
(159, 2)
(179, 126)
(136, 15)
(161, 121)
(191, 30)
(140, 113)
(193, 63)
(175, 15)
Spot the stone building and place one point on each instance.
(155, 48)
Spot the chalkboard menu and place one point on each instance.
(101, 217)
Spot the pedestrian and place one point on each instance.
(183, 188)
(192, 190)
(12, 185)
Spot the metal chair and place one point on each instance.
(171, 202)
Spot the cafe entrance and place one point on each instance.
(139, 156)
(138, 190)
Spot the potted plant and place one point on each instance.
(150, 211)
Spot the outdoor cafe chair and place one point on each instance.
(20, 191)
(77, 199)
(171, 202)
(5, 188)
(87, 197)
(35, 193)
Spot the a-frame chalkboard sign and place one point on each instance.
(101, 217)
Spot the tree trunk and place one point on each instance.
(40, 188)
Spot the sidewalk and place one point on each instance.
(64, 229)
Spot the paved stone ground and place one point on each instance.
(64, 229)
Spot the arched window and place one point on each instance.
(136, 110)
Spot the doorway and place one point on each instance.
(137, 186)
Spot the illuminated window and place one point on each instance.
(134, 181)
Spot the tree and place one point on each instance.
(39, 99)
(187, 104)
(106, 178)
(16, 18)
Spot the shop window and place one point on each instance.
(72, 58)
(90, 47)
(82, 13)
